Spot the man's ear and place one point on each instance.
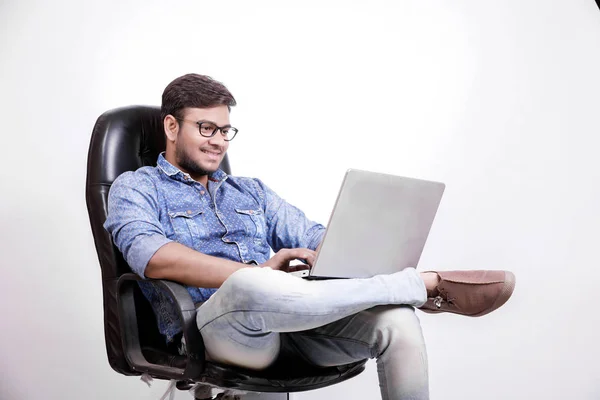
(171, 127)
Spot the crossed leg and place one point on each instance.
(390, 334)
(329, 322)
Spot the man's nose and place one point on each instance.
(218, 139)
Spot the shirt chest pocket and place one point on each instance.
(254, 222)
(188, 226)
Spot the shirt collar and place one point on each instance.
(175, 173)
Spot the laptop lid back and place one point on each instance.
(379, 225)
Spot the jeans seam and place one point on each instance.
(321, 335)
(240, 343)
(383, 383)
(261, 311)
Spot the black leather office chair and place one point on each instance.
(126, 139)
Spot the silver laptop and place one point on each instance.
(379, 225)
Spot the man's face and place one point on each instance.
(194, 153)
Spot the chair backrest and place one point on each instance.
(123, 139)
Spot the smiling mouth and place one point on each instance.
(212, 153)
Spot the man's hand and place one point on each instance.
(281, 260)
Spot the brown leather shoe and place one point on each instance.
(471, 293)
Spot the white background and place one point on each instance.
(499, 100)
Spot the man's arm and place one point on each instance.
(133, 222)
(179, 263)
(288, 226)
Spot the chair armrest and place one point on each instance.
(130, 333)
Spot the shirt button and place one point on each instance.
(251, 212)
(202, 192)
(189, 212)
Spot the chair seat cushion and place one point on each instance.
(290, 378)
(284, 376)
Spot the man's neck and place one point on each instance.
(203, 179)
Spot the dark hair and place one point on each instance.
(196, 91)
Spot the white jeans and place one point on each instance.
(330, 322)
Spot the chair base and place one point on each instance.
(249, 396)
(206, 393)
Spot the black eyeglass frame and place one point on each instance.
(214, 132)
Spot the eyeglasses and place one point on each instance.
(209, 129)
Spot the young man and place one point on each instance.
(186, 220)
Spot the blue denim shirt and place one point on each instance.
(236, 218)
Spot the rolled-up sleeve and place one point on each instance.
(288, 226)
(133, 219)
